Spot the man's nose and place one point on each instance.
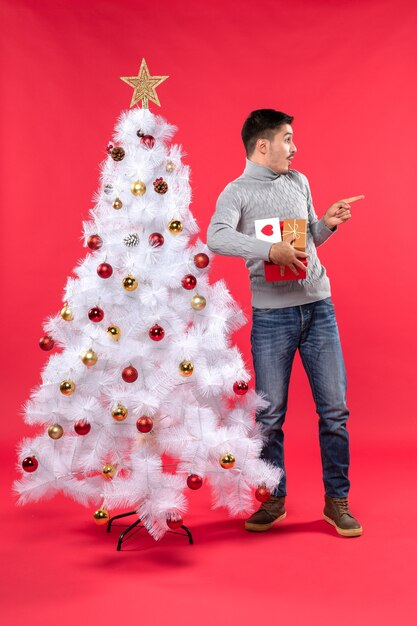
(294, 148)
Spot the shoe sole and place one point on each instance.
(345, 532)
(260, 528)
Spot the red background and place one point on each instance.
(347, 74)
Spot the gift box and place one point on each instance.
(273, 272)
(297, 228)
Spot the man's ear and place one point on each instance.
(261, 145)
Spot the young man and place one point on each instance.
(291, 314)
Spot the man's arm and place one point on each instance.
(337, 214)
(319, 230)
(222, 236)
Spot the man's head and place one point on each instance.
(268, 139)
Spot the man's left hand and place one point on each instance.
(339, 212)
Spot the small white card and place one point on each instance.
(268, 229)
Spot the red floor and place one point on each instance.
(59, 568)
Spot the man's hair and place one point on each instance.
(262, 123)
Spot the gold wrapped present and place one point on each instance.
(297, 228)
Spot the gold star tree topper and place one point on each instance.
(144, 86)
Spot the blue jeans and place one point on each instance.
(276, 335)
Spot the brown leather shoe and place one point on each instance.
(267, 515)
(337, 512)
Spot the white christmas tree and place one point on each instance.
(146, 396)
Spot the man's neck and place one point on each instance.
(259, 170)
(258, 160)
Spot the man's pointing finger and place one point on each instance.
(353, 199)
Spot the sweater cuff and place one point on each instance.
(321, 232)
(261, 249)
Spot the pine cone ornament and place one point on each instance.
(131, 240)
(117, 154)
(160, 185)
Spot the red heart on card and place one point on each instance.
(268, 230)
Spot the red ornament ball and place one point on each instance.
(144, 424)
(240, 387)
(129, 374)
(156, 333)
(156, 240)
(174, 522)
(201, 260)
(96, 314)
(30, 464)
(148, 141)
(262, 494)
(46, 343)
(194, 482)
(104, 270)
(189, 281)
(82, 427)
(94, 242)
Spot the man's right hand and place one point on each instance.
(282, 253)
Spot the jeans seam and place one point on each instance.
(309, 376)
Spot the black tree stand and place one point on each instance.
(137, 525)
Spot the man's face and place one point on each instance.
(280, 151)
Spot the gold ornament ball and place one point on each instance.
(170, 167)
(114, 332)
(67, 387)
(227, 461)
(130, 283)
(175, 227)
(55, 431)
(186, 368)
(117, 204)
(101, 516)
(198, 302)
(138, 188)
(108, 471)
(119, 413)
(66, 313)
(89, 358)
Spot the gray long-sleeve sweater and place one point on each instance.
(262, 193)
